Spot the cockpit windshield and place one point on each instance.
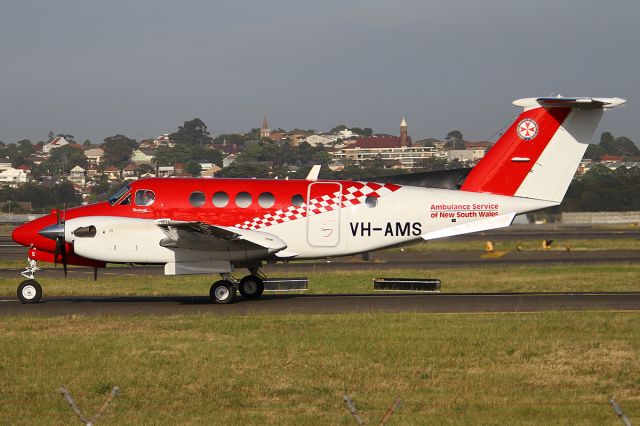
(118, 194)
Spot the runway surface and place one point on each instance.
(382, 261)
(327, 304)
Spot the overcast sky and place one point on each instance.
(141, 68)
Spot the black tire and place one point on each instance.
(251, 287)
(29, 292)
(222, 292)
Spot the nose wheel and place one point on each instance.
(29, 291)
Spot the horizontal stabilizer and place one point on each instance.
(578, 103)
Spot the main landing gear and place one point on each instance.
(225, 290)
(30, 291)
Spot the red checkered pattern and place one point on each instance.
(352, 195)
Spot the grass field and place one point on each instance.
(528, 244)
(485, 279)
(550, 368)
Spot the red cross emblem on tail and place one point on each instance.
(527, 129)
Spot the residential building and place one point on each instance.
(211, 171)
(5, 163)
(112, 173)
(94, 155)
(55, 143)
(77, 175)
(228, 160)
(164, 140)
(130, 172)
(392, 155)
(465, 155)
(315, 140)
(12, 177)
(143, 155)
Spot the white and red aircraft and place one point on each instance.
(213, 226)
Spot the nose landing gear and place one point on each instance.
(30, 291)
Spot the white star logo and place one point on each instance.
(527, 129)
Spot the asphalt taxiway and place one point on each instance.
(327, 304)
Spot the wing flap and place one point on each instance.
(199, 235)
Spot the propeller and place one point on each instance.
(61, 246)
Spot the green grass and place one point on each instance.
(484, 279)
(527, 244)
(550, 368)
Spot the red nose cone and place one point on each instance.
(23, 235)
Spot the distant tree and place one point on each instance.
(454, 135)
(192, 132)
(454, 144)
(367, 131)
(118, 150)
(51, 135)
(624, 146)
(63, 159)
(338, 128)
(247, 169)
(595, 152)
(230, 138)
(193, 168)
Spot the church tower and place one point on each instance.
(404, 133)
(265, 132)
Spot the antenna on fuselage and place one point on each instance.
(314, 172)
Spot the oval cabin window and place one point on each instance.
(220, 199)
(197, 199)
(266, 200)
(243, 200)
(297, 200)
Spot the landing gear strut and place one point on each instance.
(30, 291)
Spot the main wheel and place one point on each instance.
(251, 287)
(222, 292)
(29, 291)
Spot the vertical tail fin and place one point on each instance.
(539, 153)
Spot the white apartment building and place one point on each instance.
(408, 157)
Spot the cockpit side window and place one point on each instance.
(115, 197)
(126, 200)
(145, 197)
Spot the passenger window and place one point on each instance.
(197, 199)
(145, 197)
(297, 200)
(266, 200)
(243, 199)
(220, 199)
(371, 201)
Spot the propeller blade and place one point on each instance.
(61, 249)
(56, 252)
(64, 257)
(95, 273)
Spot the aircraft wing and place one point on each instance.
(203, 236)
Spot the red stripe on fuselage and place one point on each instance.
(497, 173)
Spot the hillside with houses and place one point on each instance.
(88, 172)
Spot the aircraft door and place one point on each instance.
(323, 214)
